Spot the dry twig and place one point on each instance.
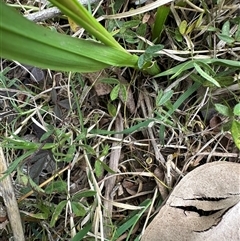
(7, 192)
(113, 164)
(52, 12)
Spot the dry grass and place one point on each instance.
(69, 187)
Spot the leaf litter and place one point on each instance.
(147, 160)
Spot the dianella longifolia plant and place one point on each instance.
(28, 43)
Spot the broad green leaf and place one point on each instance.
(164, 97)
(226, 38)
(224, 110)
(141, 31)
(115, 91)
(236, 109)
(182, 27)
(59, 208)
(141, 61)
(57, 186)
(31, 44)
(78, 209)
(144, 61)
(237, 33)
(70, 153)
(45, 207)
(81, 194)
(123, 92)
(178, 36)
(225, 35)
(131, 24)
(111, 109)
(226, 28)
(191, 27)
(105, 150)
(98, 168)
(46, 135)
(154, 48)
(235, 130)
(23, 179)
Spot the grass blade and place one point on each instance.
(132, 220)
(177, 104)
(161, 16)
(190, 64)
(81, 234)
(206, 75)
(130, 130)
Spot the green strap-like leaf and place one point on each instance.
(28, 43)
(81, 16)
(175, 71)
(130, 130)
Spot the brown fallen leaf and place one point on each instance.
(99, 87)
(205, 205)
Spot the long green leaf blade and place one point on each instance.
(206, 75)
(81, 16)
(189, 64)
(29, 43)
(161, 16)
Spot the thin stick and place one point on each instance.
(7, 192)
(51, 12)
(110, 183)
